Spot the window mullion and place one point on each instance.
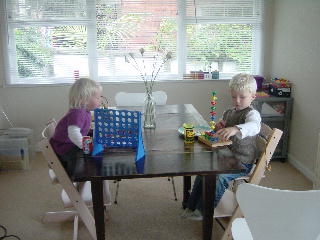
(12, 70)
(258, 43)
(92, 40)
(181, 41)
(8, 47)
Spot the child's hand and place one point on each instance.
(221, 124)
(226, 133)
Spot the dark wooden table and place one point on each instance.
(166, 155)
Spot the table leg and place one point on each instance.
(186, 190)
(97, 201)
(209, 189)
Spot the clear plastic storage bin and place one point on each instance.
(16, 152)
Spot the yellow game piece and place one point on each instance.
(212, 122)
(214, 98)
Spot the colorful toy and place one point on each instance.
(280, 87)
(210, 138)
(262, 94)
(118, 129)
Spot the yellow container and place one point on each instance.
(188, 133)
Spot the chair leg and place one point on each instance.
(227, 235)
(174, 189)
(219, 222)
(117, 190)
(59, 216)
(75, 227)
(106, 216)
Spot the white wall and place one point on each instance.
(296, 56)
(32, 106)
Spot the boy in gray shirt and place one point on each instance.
(241, 124)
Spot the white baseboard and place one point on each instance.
(298, 165)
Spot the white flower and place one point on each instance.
(158, 62)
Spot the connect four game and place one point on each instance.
(117, 129)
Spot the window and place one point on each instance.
(52, 42)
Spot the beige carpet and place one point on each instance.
(146, 208)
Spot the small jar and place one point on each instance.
(188, 133)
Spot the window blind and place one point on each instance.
(53, 42)
(223, 35)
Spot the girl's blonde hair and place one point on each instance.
(243, 81)
(81, 91)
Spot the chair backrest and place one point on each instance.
(280, 214)
(267, 142)
(137, 99)
(49, 129)
(68, 186)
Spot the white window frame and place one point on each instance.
(182, 20)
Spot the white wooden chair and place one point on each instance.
(73, 195)
(267, 142)
(47, 133)
(277, 214)
(137, 99)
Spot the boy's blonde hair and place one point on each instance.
(243, 81)
(81, 91)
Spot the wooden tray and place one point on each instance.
(214, 144)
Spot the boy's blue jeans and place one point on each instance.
(222, 183)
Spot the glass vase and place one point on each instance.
(149, 111)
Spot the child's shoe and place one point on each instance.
(196, 215)
(186, 213)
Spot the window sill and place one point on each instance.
(115, 82)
